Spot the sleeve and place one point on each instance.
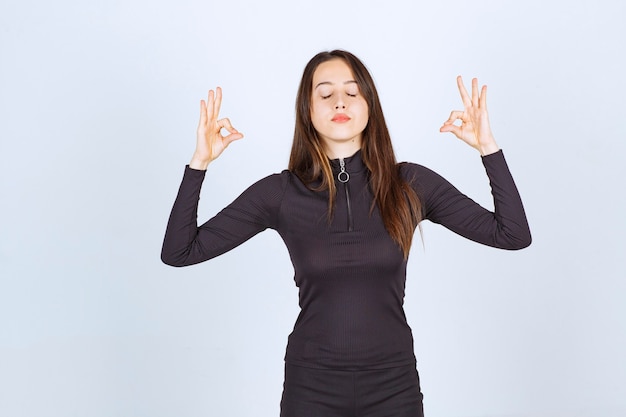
(506, 227)
(255, 210)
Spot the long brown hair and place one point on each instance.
(399, 206)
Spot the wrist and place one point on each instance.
(199, 163)
(488, 148)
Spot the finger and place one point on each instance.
(464, 95)
(454, 116)
(225, 124)
(475, 92)
(218, 102)
(210, 104)
(202, 113)
(483, 97)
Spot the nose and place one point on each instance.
(339, 104)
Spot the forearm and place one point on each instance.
(511, 226)
(182, 229)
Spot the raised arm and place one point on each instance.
(506, 226)
(185, 242)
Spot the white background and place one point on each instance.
(98, 109)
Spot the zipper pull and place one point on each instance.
(343, 176)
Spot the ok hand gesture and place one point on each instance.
(474, 128)
(210, 141)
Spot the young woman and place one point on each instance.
(347, 212)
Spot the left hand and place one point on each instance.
(474, 128)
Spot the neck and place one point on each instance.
(342, 150)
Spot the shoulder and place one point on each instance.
(279, 180)
(416, 174)
(269, 188)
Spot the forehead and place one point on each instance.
(333, 71)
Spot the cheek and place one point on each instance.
(364, 111)
(317, 111)
(319, 106)
(315, 117)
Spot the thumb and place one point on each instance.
(232, 137)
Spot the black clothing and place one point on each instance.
(350, 273)
(310, 392)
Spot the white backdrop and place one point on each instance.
(98, 109)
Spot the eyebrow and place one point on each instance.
(329, 83)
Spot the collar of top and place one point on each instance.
(353, 164)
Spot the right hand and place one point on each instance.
(210, 142)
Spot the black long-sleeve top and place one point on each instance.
(350, 273)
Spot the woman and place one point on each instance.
(346, 212)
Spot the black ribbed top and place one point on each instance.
(350, 273)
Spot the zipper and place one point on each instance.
(343, 177)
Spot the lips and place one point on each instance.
(340, 118)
